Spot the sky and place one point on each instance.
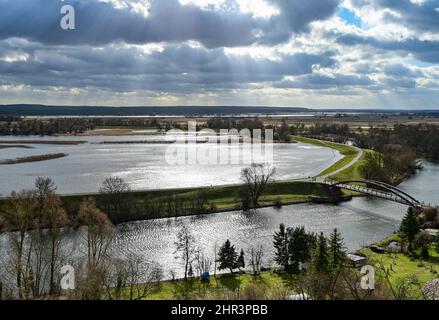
(296, 53)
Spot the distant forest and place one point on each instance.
(42, 110)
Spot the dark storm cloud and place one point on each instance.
(295, 16)
(422, 16)
(175, 68)
(100, 23)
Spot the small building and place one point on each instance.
(432, 232)
(356, 260)
(394, 247)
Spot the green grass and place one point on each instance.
(349, 153)
(404, 266)
(271, 284)
(354, 171)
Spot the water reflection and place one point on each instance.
(143, 165)
(361, 221)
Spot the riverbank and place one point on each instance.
(351, 155)
(38, 141)
(404, 268)
(120, 131)
(43, 157)
(407, 277)
(21, 146)
(167, 203)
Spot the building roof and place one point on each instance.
(432, 232)
(355, 258)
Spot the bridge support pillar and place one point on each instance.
(335, 193)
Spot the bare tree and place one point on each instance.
(401, 289)
(98, 236)
(35, 219)
(19, 215)
(185, 248)
(255, 259)
(35, 264)
(114, 190)
(114, 185)
(202, 263)
(43, 187)
(133, 279)
(256, 178)
(2, 223)
(55, 217)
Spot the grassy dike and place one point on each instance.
(349, 153)
(218, 199)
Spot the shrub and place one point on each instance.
(253, 291)
(422, 239)
(278, 203)
(430, 214)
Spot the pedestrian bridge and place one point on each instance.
(376, 189)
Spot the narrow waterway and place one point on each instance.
(361, 221)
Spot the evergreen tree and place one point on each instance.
(300, 245)
(337, 250)
(240, 263)
(281, 245)
(437, 243)
(321, 258)
(410, 226)
(227, 257)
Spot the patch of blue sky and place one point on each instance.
(420, 64)
(350, 17)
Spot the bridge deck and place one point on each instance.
(393, 194)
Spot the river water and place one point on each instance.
(361, 221)
(143, 166)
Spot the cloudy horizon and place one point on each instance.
(293, 53)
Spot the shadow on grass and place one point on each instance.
(230, 281)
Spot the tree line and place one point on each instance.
(37, 230)
(392, 165)
(26, 127)
(423, 139)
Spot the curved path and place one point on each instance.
(360, 153)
